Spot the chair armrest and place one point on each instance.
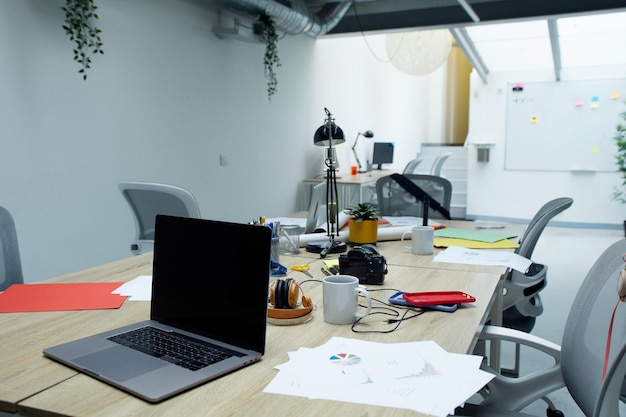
(523, 338)
(510, 393)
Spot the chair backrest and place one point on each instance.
(146, 200)
(10, 263)
(393, 200)
(438, 163)
(585, 337)
(412, 166)
(539, 222)
(521, 290)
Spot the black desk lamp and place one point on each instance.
(367, 134)
(329, 134)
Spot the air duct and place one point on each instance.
(293, 17)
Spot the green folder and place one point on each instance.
(472, 235)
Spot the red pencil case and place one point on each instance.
(437, 297)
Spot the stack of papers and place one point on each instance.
(418, 376)
(473, 239)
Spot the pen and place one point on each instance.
(490, 227)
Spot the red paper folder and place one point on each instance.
(20, 298)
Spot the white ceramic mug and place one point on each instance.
(341, 299)
(422, 240)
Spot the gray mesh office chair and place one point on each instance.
(393, 200)
(521, 289)
(438, 163)
(146, 200)
(412, 166)
(521, 301)
(579, 360)
(10, 263)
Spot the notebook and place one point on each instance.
(209, 287)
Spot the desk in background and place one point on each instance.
(350, 187)
(32, 384)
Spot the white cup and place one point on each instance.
(341, 299)
(422, 240)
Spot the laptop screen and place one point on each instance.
(212, 278)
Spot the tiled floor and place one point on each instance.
(569, 254)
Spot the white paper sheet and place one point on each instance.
(409, 221)
(139, 289)
(459, 255)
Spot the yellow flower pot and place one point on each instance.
(365, 231)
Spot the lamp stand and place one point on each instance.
(367, 134)
(332, 205)
(324, 136)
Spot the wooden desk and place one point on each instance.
(34, 385)
(349, 186)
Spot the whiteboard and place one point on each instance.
(563, 125)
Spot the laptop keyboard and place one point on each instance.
(173, 347)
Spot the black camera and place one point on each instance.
(365, 263)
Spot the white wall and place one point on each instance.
(494, 192)
(163, 102)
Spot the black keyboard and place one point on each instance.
(174, 347)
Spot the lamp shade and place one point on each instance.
(322, 137)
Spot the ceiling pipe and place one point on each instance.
(468, 9)
(469, 48)
(293, 19)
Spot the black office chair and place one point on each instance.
(10, 263)
(393, 200)
(146, 200)
(521, 300)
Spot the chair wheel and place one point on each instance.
(554, 413)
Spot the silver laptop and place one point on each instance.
(207, 318)
(318, 200)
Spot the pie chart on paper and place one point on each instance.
(345, 359)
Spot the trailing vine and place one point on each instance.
(270, 59)
(79, 17)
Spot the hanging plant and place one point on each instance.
(79, 17)
(270, 59)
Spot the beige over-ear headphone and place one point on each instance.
(283, 307)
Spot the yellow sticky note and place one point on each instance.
(614, 95)
(595, 149)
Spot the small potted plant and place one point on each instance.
(363, 225)
(619, 193)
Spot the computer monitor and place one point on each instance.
(383, 153)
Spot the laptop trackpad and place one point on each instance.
(120, 363)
